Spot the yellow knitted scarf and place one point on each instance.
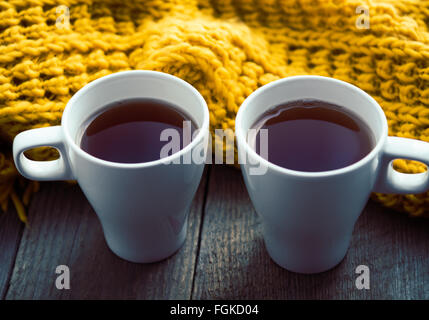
(51, 48)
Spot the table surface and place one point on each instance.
(223, 257)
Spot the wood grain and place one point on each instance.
(233, 263)
(10, 236)
(65, 230)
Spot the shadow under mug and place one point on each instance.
(308, 217)
(143, 207)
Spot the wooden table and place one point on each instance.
(223, 257)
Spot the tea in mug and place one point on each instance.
(312, 135)
(129, 131)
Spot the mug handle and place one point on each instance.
(392, 181)
(58, 169)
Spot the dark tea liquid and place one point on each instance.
(129, 131)
(312, 135)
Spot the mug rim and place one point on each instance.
(241, 138)
(137, 73)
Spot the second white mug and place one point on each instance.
(308, 217)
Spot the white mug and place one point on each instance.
(308, 217)
(143, 208)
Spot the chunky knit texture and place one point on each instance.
(226, 49)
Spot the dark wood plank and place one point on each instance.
(233, 262)
(65, 230)
(10, 236)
